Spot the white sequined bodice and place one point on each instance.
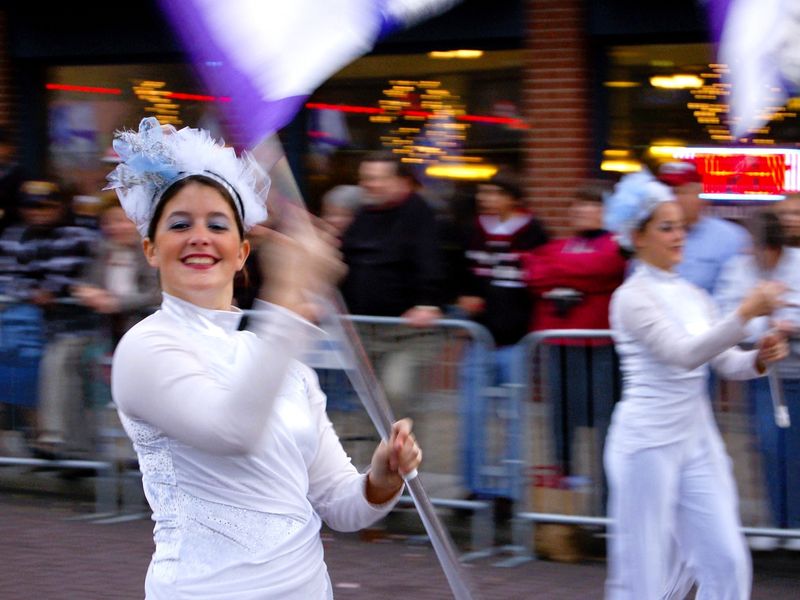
(239, 460)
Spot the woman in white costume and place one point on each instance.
(672, 497)
(239, 460)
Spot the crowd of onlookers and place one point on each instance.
(73, 279)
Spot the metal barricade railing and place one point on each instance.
(436, 357)
(539, 414)
(115, 497)
(424, 371)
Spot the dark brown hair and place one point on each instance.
(401, 169)
(176, 187)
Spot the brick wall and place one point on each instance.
(558, 150)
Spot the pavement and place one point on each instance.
(50, 550)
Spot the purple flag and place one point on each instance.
(265, 57)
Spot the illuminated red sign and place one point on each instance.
(742, 173)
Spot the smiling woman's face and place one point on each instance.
(197, 247)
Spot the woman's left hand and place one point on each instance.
(391, 460)
(771, 348)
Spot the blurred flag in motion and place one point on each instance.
(263, 58)
(760, 43)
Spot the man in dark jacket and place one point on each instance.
(392, 253)
(391, 248)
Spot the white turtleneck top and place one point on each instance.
(239, 460)
(667, 331)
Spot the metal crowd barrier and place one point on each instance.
(574, 479)
(423, 371)
(428, 363)
(116, 496)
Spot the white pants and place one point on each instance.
(675, 520)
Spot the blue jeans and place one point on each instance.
(21, 347)
(480, 370)
(583, 387)
(780, 450)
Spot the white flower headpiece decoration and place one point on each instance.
(156, 157)
(634, 200)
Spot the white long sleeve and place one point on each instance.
(736, 364)
(667, 333)
(158, 375)
(648, 320)
(337, 491)
(239, 460)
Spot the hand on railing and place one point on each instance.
(422, 316)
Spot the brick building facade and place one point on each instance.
(558, 150)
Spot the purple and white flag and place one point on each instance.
(265, 57)
(760, 43)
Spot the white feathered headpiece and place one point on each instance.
(156, 156)
(634, 199)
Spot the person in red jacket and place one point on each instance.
(572, 280)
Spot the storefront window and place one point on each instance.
(87, 104)
(670, 101)
(454, 118)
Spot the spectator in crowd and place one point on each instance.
(120, 288)
(54, 253)
(21, 321)
(339, 207)
(118, 282)
(573, 279)
(710, 241)
(493, 292)
(575, 276)
(772, 259)
(391, 248)
(392, 253)
(788, 211)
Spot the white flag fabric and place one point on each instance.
(760, 43)
(265, 57)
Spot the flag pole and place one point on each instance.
(269, 153)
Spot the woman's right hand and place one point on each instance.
(298, 264)
(762, 300)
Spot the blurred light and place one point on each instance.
(195, 97)
(83, 88)
(611, 153)
(519, 123)
(448, 54)
(676, 82)
(621, 84)
(664, 150)
(473, 172)
(749, 196)
(346, 108)
(621, 166)
(687, 152)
